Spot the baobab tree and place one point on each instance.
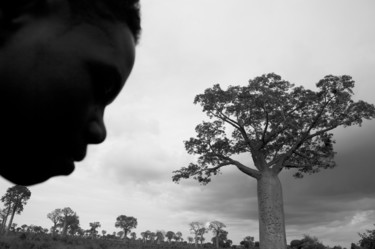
(160, 235)
(198, 229)
(55, 217)
(281, 127)
(126, 223)
(217, 228)
(67, 219)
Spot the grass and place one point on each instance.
(47, 241)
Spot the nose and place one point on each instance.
(96, 131)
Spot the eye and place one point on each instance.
(105, 89)
(106, 82)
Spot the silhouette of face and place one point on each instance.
(55, 81)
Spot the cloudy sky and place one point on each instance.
(186, 47)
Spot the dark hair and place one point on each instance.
(127, 11)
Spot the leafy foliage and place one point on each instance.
(126, 223)
(54, 216)
(368, 239)
(280, 125)
(14, 200)
(68, 221)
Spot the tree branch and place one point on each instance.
(289, 166)
(226, 119)
(265, 128)
(246, 138)
(305, 136)
(248, 171)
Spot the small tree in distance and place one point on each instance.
(281, 127)
(54, 216)
(169, 236)
(126, 223)
(217, 228)
(94, 226)
(196, 228)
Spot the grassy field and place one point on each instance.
(47, 241)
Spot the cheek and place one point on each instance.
(68, 104)
(59, 103)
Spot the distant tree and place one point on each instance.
(3, 217)
(281, 127)
(169, 236)
(144, 236)
(160, 235)
(248, 242)
(196, 229)
(367, 239)
(190, 239)
(216, 228)
(55, 217)
(201, 238)
(14, 199)
(104, 232)
(120, 234)
(354, 246)
(68, 220)
(126, 223)
(133, 235)
(309, 242)
(201, 233)
(152, 236)
(79, 232)
(13, 227)
(296, 244)
(24, 227)
(221, 239)
(94, 226)
(73, 227)
(177, 236)
(36, 229)
(148, 235)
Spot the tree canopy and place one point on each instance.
(14, 200)
(281, 125)
(126, 223)
(368, 239)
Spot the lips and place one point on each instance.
(80, 154)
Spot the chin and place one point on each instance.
(37, 173)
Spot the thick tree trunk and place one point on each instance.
(271, 212)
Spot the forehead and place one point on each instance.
(106, 41)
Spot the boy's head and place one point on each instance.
(61, 63)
